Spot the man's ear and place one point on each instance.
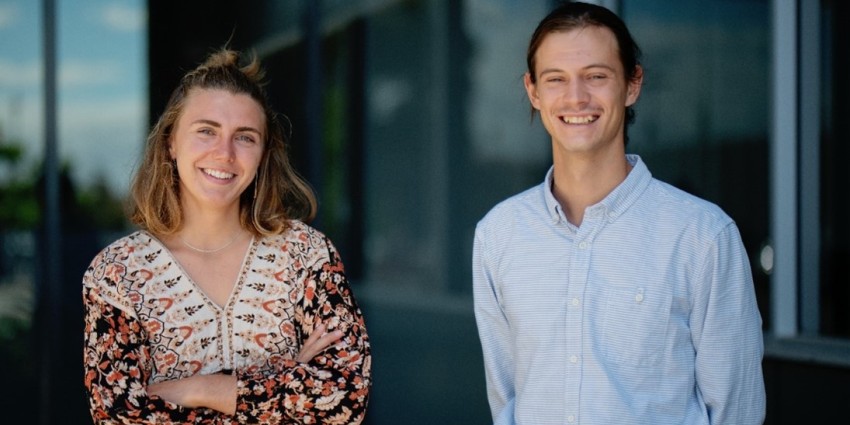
(634, 85)
(531, 90)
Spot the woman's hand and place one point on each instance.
(216, 391)
(318, 341)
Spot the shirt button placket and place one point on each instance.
(578, 273)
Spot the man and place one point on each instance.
(605, 296)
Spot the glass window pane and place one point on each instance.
(21, 147)
(835, 204)
(101, 80)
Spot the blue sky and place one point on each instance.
(102, 82)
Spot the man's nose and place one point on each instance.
(576, 92)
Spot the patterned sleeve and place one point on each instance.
(116, 359)
(333, 388)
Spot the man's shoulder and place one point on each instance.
(526, 203)
(675, 203)
(516, 212)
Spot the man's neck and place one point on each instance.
(581, 181)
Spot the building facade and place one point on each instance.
(410, 119)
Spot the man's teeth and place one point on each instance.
(579, 120)
(218, 174)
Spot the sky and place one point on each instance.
(102, 85)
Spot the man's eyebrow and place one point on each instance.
(601, 65)
(588, 67)
(549, 70)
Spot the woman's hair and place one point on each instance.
(277, 194)
(572, 15)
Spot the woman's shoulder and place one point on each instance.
(118, 265)
(297, 231)
(128, 251)
(137, 242)
(300, 239)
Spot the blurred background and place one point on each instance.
(410, 120)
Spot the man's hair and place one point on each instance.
(572, 15)
(277, 194)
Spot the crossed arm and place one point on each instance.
(329, 380)
(218, 391)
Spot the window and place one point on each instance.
(834, 202)
(100, 125)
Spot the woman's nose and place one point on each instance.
(224, 149)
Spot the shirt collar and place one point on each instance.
(616, 203)
(553, 208)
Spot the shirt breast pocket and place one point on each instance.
(635, 326)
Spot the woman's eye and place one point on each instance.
(206, 131)
(245, 138)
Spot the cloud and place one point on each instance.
(103, 138)
(19, 75)
(8, 14)
(122, 17)
(89, 73)
(72, 74)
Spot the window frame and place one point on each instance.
(795, 189)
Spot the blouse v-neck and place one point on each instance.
(237, 285)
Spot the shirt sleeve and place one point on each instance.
(334, 386)
(494, 332)
(727, 335)
(117, 367)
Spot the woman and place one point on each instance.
(225, 307)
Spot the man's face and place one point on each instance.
(581, 91)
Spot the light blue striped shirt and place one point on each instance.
(644, 314)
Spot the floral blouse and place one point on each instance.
(146, 322)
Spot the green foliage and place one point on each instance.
(101, 208)
(93, 207)
(10, 153)
(19, 207)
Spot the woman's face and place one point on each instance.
(217, 144)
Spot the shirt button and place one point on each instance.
(582, 245)
(575, 302)
(639, 297)
(571, 419)
(573, 359)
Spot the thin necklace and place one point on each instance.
(208, 251)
